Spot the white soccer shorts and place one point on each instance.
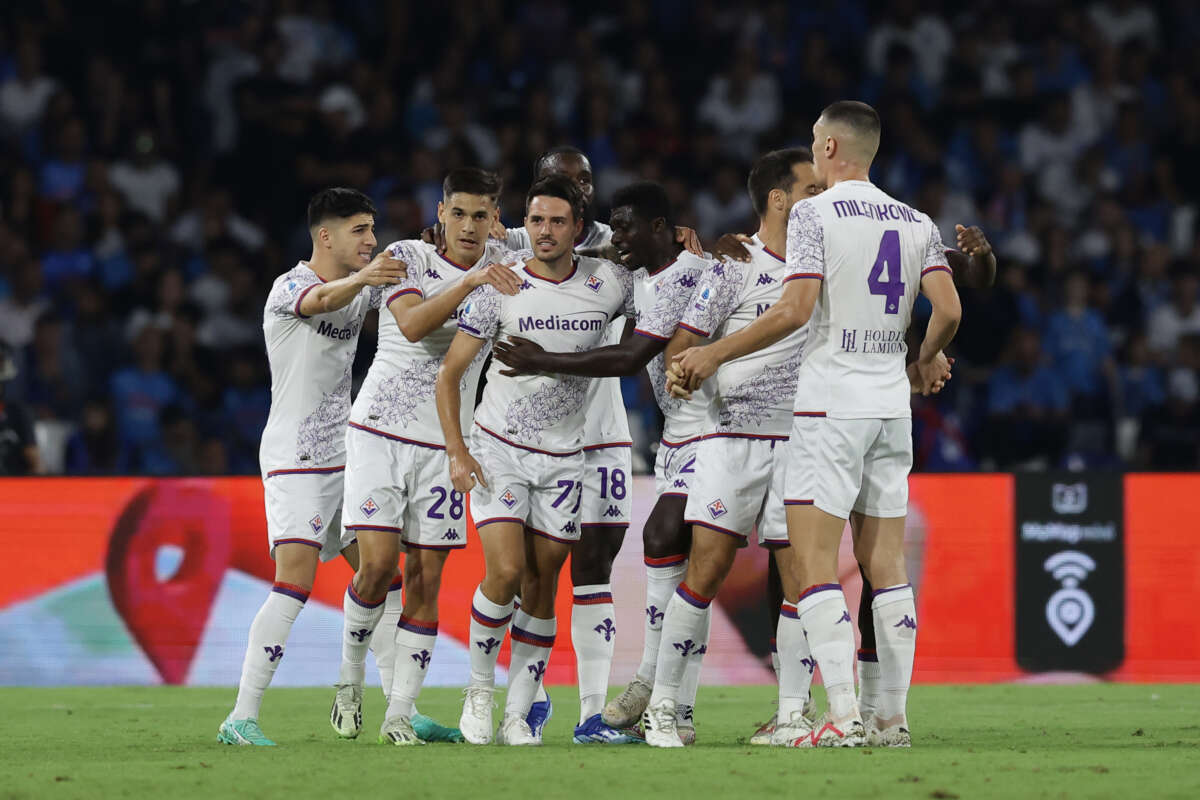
(305, 507)
(844, 465)
(607, 487)
(543, 492)
(675, 467)
(404, 488)
(738, 485)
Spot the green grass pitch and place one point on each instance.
(1085, 741)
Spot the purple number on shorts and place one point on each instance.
(566, 486)
(578, 497)
(456, 504)
(887, 264)
(618, 484)
(688, 466)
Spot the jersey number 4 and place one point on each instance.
(885, 277)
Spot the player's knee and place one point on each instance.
(506, 577)
(660, 540)
(374, 576)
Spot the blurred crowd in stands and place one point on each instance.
(156, 157)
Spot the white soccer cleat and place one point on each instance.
(626, 708)
(762, 736)
(843, 733)
(895, 735)
(399, 731)
(810, 710)
(514, 731)
(476, 720)
(796, 732)
(659, 724)
(685, 725)
(346, 714)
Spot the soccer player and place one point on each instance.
(396, 471)
(312, 319)
(666, 276)
(857, 258)
(526, 466)
(738, 479)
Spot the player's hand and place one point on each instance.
(675, 383)
(733, 245)
(694, 366)
(690, 241)
(464, 471)
(608, 253)
(498, 275)
(498, 230)
(928, 378)
(435, 235)
(972, 241)
(383, 270)
(522, 355)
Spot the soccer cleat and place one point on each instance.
(346, 714)
(593, 731)
(892, 736)
(845, 733)
(242, 731)
(430, 730)
(685, 725)
(796, 732)
(476, 720)
(659, 724)
(762, 736)
(539, 714)
(626, 708)
(810, 710)
(398, 731)
(514, 731)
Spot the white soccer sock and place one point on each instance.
(264, 648)
(682, 641)
(895, 614)
(830, 632)
(775, 655)
(532, 641)
(691, 676)
(868, 682)
(361, 620)
(413, 649)
(662, 578)
(795, 662)
(593, 637)
(383, 641)
(489, 621)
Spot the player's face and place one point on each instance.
(577, 168)
(468, 218)
(352, 240)
(633, 238)
(552, 227)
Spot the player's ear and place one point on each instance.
(441, 212)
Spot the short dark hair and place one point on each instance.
(560, 150)
(648, 200)
(774, 171)
(472, 180)
(859, 117)
(338, 202)
(559, 186)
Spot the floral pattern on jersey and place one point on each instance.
(760, 396)
(322, 433)
(548, 406)
(805, 240)
(287, 290)
(672, 295)
(397, 400)
(480, 314)
(716, 297)
(935, 251)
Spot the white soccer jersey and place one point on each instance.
(755, 393)
(544, 413)
(605, 422)
(662, 298)
(310, 360)
(870, 252)
(397, 396)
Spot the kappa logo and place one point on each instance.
(432, 273)
(680, 483)
(508, 498)
(368, 507)
(906, 622)
(451, 535)
(764, 279)
(593, 283)
(316, 523)
(613, 511)
(716, 509)
(687, 281)
(526, 285)
(568, 528)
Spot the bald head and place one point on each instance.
(847, 131)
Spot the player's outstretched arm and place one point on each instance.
(938, 286)
(632, 354)
(382, 271)
(464, 469)
(697, 364)
(974, 263)
(418, 317)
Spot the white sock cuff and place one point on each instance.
(670, 568)
(891, 594)
(535, 626)
(814, 596)
(592, 594)
(485, 612)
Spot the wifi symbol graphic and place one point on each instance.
(1070, 611)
